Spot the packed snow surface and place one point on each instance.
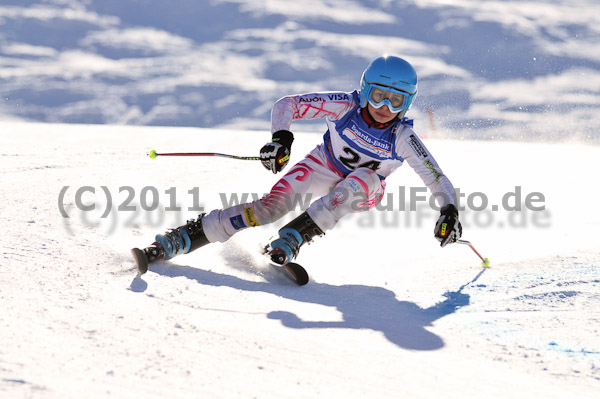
(387, 313)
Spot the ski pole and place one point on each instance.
(485, 262)
(153, 154)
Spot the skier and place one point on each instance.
(368, 137)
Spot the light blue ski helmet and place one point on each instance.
(389, 72)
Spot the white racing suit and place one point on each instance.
(346, 173)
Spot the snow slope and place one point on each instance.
(386, 314)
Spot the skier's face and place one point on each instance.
(382, 114)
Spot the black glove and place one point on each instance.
(448, 228)
(276, 154)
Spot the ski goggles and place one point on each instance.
(395, 100)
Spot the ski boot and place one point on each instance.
(181, 240)
(291, 237)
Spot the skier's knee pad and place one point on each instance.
(364, 181)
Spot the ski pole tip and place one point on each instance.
(485, 263)
(152, 154)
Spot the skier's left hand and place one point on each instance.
(448, 228)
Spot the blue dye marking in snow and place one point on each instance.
(553, 346)
(14, 381)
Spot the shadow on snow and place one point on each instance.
(363, 307)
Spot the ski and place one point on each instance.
(140, 260)
(145, 256)
(291, 270)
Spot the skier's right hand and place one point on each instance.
(276, 154)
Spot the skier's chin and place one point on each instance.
(383, 116)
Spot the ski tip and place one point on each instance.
(140, 259)
(298, 273)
